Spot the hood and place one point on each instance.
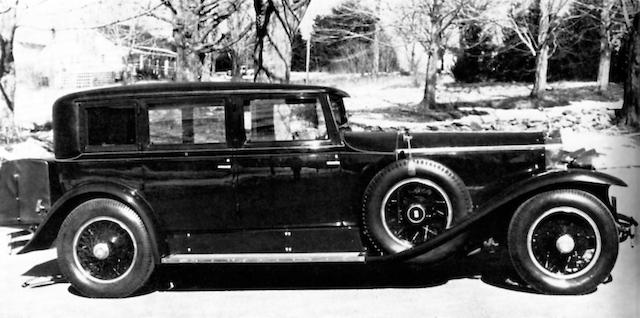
(447, 142)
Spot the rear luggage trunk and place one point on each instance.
(25, 195)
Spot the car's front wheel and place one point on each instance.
(104, 249)
(563, 242)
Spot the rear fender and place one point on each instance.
(48, 229)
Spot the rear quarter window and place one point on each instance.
(111, 125)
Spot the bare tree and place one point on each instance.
(604, 65)
(8, 27)
(276, 24)
(350, 36)
(539, 39)
(429, 23)
(195, 24)
(613, 18)
(629, 115)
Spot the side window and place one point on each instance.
(111, 125)
(186, 124)
(284, 120)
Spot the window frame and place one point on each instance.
(125, 103)
(178, 103)
(332, 137)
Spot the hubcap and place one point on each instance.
(564, 242)
(414, 211)
(416, 214)
(101, 251)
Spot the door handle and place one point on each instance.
(224, 166)
(333, 163)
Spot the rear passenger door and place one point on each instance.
(288, 165)
(188, 178)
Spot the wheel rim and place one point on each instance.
(414, 211)
(564, 242)
(104, 250)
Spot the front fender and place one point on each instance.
(553, 179)
(48, 230)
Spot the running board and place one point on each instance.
(342, 257)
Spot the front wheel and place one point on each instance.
(104, 249)
(563, 242)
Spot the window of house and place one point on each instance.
(186, 124)
(284, 120)
(111, 125)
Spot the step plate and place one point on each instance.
(342, 257)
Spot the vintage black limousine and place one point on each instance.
(145, 175)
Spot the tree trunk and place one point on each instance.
(429, 100)
(542, 65)
(185, 31)
(629, 115)
(542, 55)
(376, 53)
(7, 66)
(605, 46)
(236, 66)
(376, 42)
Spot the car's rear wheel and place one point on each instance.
(563, 242)
(412, 201)
(104, 249)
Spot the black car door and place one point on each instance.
(288, 165)
(188, 178)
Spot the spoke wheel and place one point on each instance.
(563, 242)
(415, 210)
(410, 202)
(104, 249)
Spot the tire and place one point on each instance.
(563, 242)
(428, 197)
(104, 249)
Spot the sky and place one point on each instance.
(69, 14)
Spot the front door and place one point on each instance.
(288, 168)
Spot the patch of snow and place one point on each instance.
(30, 148)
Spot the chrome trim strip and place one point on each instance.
(340, 257)
(454, 150)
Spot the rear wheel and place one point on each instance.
(104, 249)
(563, 242)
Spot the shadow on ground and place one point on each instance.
(491, 268)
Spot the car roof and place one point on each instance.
(195, 87)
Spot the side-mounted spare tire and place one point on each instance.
(104, 249)
(410, 202)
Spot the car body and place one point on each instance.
(270, 173)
